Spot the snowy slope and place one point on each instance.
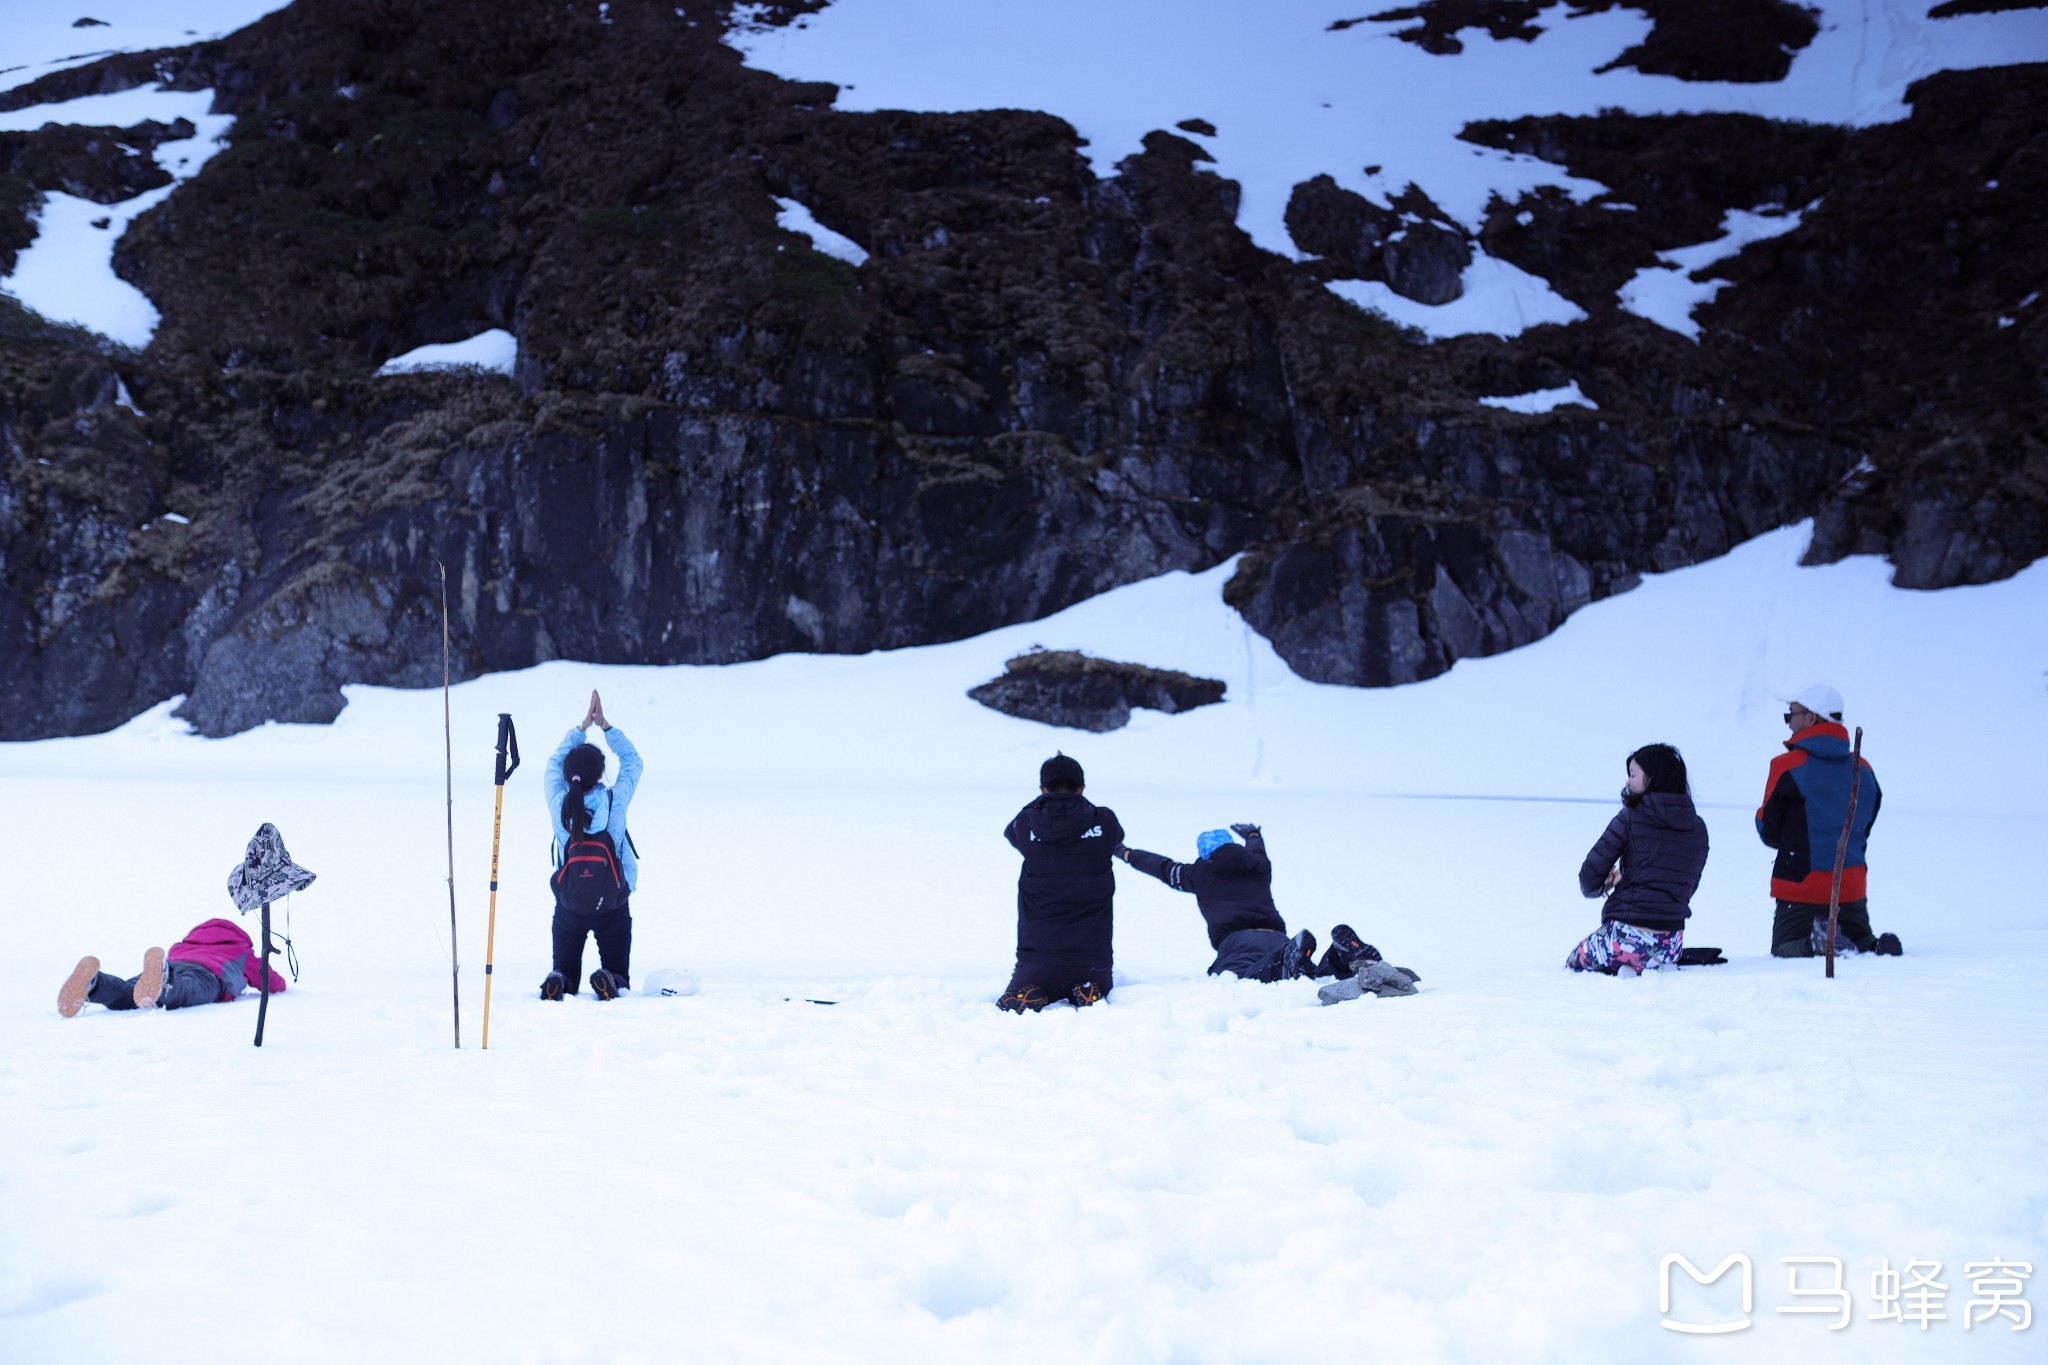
(38, 39)
(1200, 1170)
(1290, 99)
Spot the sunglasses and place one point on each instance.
(1796, 712)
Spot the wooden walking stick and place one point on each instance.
(1842, 847)
(508, 739)
(448, 743)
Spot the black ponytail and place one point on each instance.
(583, 768)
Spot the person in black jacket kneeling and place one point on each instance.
(1233, 888)
(1648, 865)
(1065, 894)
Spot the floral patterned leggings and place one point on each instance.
(1615, 945)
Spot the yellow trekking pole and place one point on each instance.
(508, 742)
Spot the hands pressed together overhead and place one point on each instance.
(595, 715)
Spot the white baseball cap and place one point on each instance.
(1820, 699)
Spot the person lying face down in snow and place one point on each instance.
(1233, 888)
(1066, 893)
(597, 869)
(212, 964)
(1648, 865)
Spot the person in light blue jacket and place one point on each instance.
(596, 865)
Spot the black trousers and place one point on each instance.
(1056, 981)
(185, 984)
(1252, 954)
(1261, 955)
(1792, 927)
(614, 930)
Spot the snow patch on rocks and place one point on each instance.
(1540, 400)
(496, 350)
(795, 217)
(1295, 97)
(1668, 294)
(1500, 299)
(67, 272)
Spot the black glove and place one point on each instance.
(1244, 831)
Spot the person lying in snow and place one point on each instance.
(1066, 892)
(1647, 865)
(1233, 888)
(214, 963)
(598, 867)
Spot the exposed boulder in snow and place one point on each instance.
(1418, 252)
(1342, 226)
(1425, 262)
(1068, 688)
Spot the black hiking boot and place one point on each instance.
(1085, 994)
(606, 985)
(1023, 998)
(553, 986)
(1888, 945)
(1298, 958)
(1349, 949)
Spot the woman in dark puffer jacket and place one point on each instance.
(1648, 865)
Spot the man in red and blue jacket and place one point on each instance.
(1805, 806)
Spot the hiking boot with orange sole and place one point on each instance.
(150, 984)
(71, 995)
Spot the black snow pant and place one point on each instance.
(614, 930)
(1252, 954)
(1034, 985)
(1792, 927)
(185, 983)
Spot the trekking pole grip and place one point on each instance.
(508, 740)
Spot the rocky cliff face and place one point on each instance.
(719, 444)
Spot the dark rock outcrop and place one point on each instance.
(1412, 246)
(1066, 687)
(720, 444)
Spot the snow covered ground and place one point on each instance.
(1199, 1170)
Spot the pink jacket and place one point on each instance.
(220, 946)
